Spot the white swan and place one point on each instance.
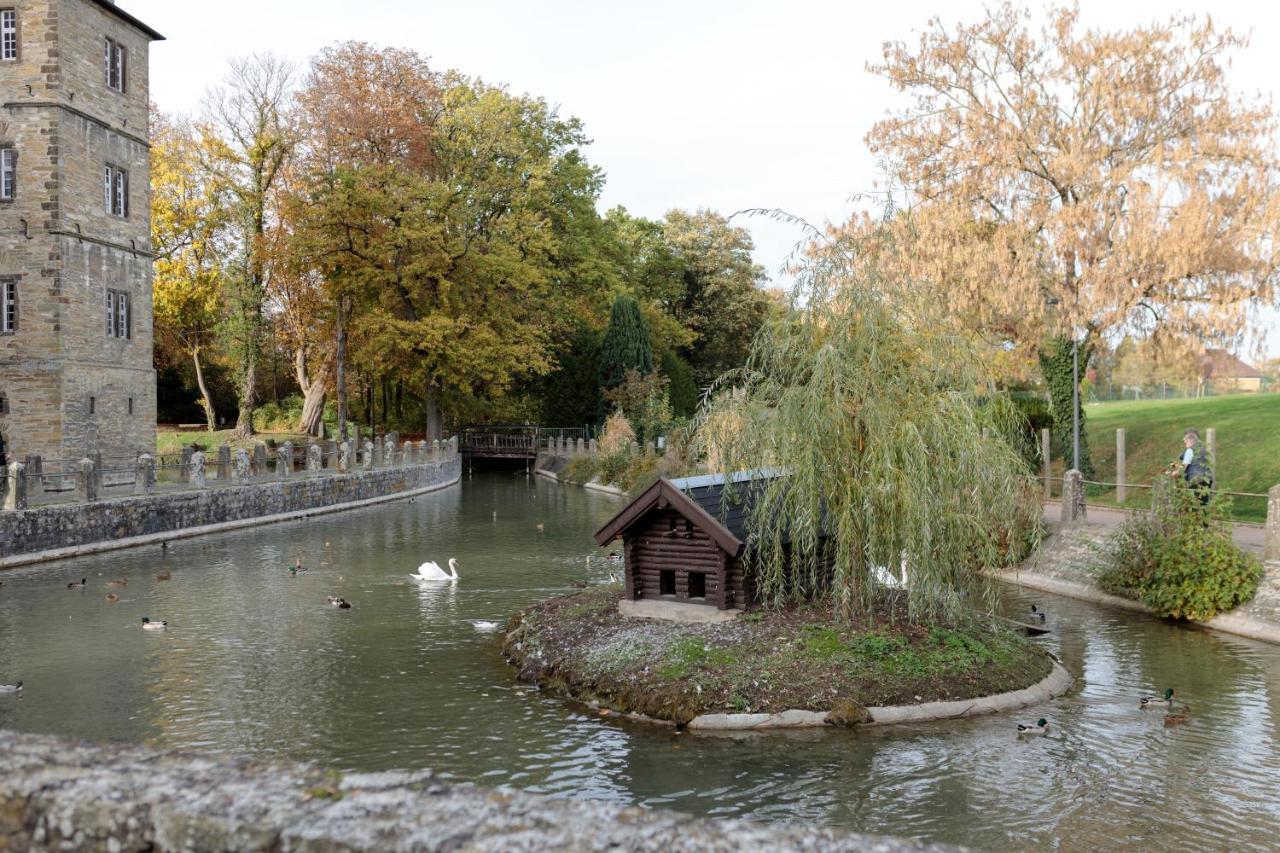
(431, 571)
(11, 688)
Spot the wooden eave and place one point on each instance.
(662, 494)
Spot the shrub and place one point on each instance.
(581, 469)
(1179, 559)
(617, 435)
(610, 466)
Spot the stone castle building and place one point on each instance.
(76, 374)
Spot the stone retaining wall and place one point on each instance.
(50, 532)
(57, 795)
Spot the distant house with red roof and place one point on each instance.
(1227, 374)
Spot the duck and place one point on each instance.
(112, 598)
(297, 568)
(541, 528)
(613, 557)
(578, 584)
(1151, 703)
(11, 688)
(1178, 717)
(164, 576)
(148, 625)
(484, 627)
(1036, 613)
(117, 583)
(74, 585)
(613, 578)
(1040, 728)
(340, 603)
(431, 571)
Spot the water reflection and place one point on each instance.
(257, 663)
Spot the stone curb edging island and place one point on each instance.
(129, 522)
(1057, 682)
(593, 486)
(62, 795)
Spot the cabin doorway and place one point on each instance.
(667, 582)
(697, 585)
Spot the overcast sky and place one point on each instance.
(726, 105)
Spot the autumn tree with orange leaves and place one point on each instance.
(1067, 182)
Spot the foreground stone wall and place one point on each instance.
(56, 795)
(59, 527)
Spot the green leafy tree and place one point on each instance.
(680, 385)
(1057, 362)
(892, 449)
(571, 394)
(626, 344)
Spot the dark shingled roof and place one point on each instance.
(708, 493)
(111, 7)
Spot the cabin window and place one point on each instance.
(667, 582)
(697, 585)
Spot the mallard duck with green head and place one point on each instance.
(1040, 728)
(1152, 703)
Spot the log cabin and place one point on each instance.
(683, 542)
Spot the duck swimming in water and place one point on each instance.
(117, 583)
(164, 576)
(74, 585)
(1037, 615)
(297, 568)
(11, 688)
(1151, 703)
(340, 603)
(1040, 728)
(112, 598)
(148, 625)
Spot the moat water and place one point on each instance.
(256, 663)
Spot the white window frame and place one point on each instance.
(119, 314)
(115, 190)
(8, 173)
(8, 35)
(8, 306)
(115, 59)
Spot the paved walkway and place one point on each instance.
(1250, 537)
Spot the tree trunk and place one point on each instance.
(313, 407)
(1056, 364)
(210, 415)
(248, 396)
(435, 424)
(341, 357)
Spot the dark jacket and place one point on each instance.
(1198, 471)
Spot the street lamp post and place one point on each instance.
(1075, 401)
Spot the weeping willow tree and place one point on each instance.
(894, 450)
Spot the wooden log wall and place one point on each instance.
(667, 541)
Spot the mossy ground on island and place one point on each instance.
(766, 661)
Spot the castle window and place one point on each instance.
(4, 405)
(119, 315)
(116, 58)
(115, 190)
(93, 405)
(8, 34)
(8, 173)
(131, 405)
(8, 307)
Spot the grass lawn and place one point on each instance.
(172, 441)
(1248, 436)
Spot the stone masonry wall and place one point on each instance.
(65, 525)
(58, 795)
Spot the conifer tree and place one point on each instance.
(626, 344)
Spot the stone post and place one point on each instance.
(377, 453)
(284, 460)
(87, 481)
(144, 478)
(241, 467)
(424, 450)
(35, 476)
(1073, 509)
(435, 449)
(634, 449)
(184, 472)
(197, 478)
(1044, 463)
(649, 449)
(592, 447)
(260, 459)
(366, 461)
(580, 448)
(453, 445)
(16, 496)
(1211, 442)
(315, 458)
(329, 449)
(1271, 548)
(389, 450)
(224, 462)
(1120, 481)
(343, 462)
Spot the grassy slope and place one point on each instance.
(1248, 432)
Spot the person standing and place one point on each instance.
(1197, 468)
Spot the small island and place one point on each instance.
(767, 661)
